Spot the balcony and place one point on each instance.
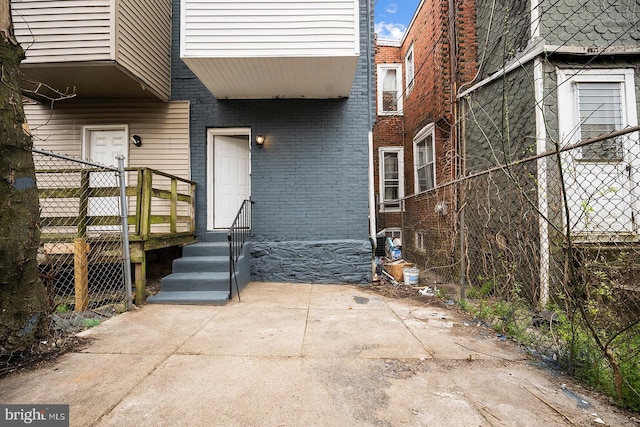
(97, 48)
(259, 49)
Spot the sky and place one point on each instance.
(393, 16)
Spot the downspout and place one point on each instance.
(541, 146)
(541, 143)
(455, 141)
(372, 202)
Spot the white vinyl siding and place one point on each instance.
(144, 42)
(389, 89)
(263, 49)
(131, 36)
(424, 159)
(163, 127)
(62, 31)
(287, 28)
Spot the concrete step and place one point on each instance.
(206, 249)
(201, 264)
(195, 281)
(191, 298)
(215, 236)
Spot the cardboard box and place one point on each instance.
(395, 269)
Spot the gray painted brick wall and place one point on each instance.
(309, 183)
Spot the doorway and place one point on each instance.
(228, 174)
(102, 144)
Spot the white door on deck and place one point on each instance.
(103, 147)
(231, 182)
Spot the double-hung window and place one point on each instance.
(389, 89)
(409, 70)
(391, 178)
(424, 159)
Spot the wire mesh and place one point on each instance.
(80, 255)
(546, 251)
(81, 251)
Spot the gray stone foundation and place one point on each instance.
(328, 261)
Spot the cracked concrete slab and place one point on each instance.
(251, 331)
(294, 355)
(92, 384)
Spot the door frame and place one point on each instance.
(568, 120)
(211, 134)
(86, 153)
(86, 138)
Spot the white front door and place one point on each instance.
(229, 178)
(102, 146)
(601, 177)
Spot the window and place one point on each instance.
(389, 89)
(424, 159)
(421, 237)
(393, 232)
(592, 103)
(600, 112)
(391, 178)
(408, 64)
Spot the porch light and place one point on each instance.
(259, 141)
(136, 140)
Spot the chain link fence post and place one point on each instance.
(125, 232)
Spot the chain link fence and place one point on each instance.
(83, 253)
(82, 242)
(545, 250)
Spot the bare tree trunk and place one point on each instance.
(23, 303)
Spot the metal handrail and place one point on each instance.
(239, 233)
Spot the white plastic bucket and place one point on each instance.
(410, 275)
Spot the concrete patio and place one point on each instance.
(301, 355)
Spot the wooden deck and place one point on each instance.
(163, 209)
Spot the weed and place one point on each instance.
(90, 323)
(63, 308)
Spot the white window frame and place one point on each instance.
(420, 241)
(382, 70)
(393, 232)
(568, 109)
(409, 61)
(428, 130)
(400, 152)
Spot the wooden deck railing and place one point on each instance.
(149, 196)
(161, 210)
(160, 204)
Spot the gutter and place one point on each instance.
(538, 47)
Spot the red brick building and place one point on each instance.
(415, 134)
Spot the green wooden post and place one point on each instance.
(139, 198)
(145, 217)
(141, 277)
(174, 205)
